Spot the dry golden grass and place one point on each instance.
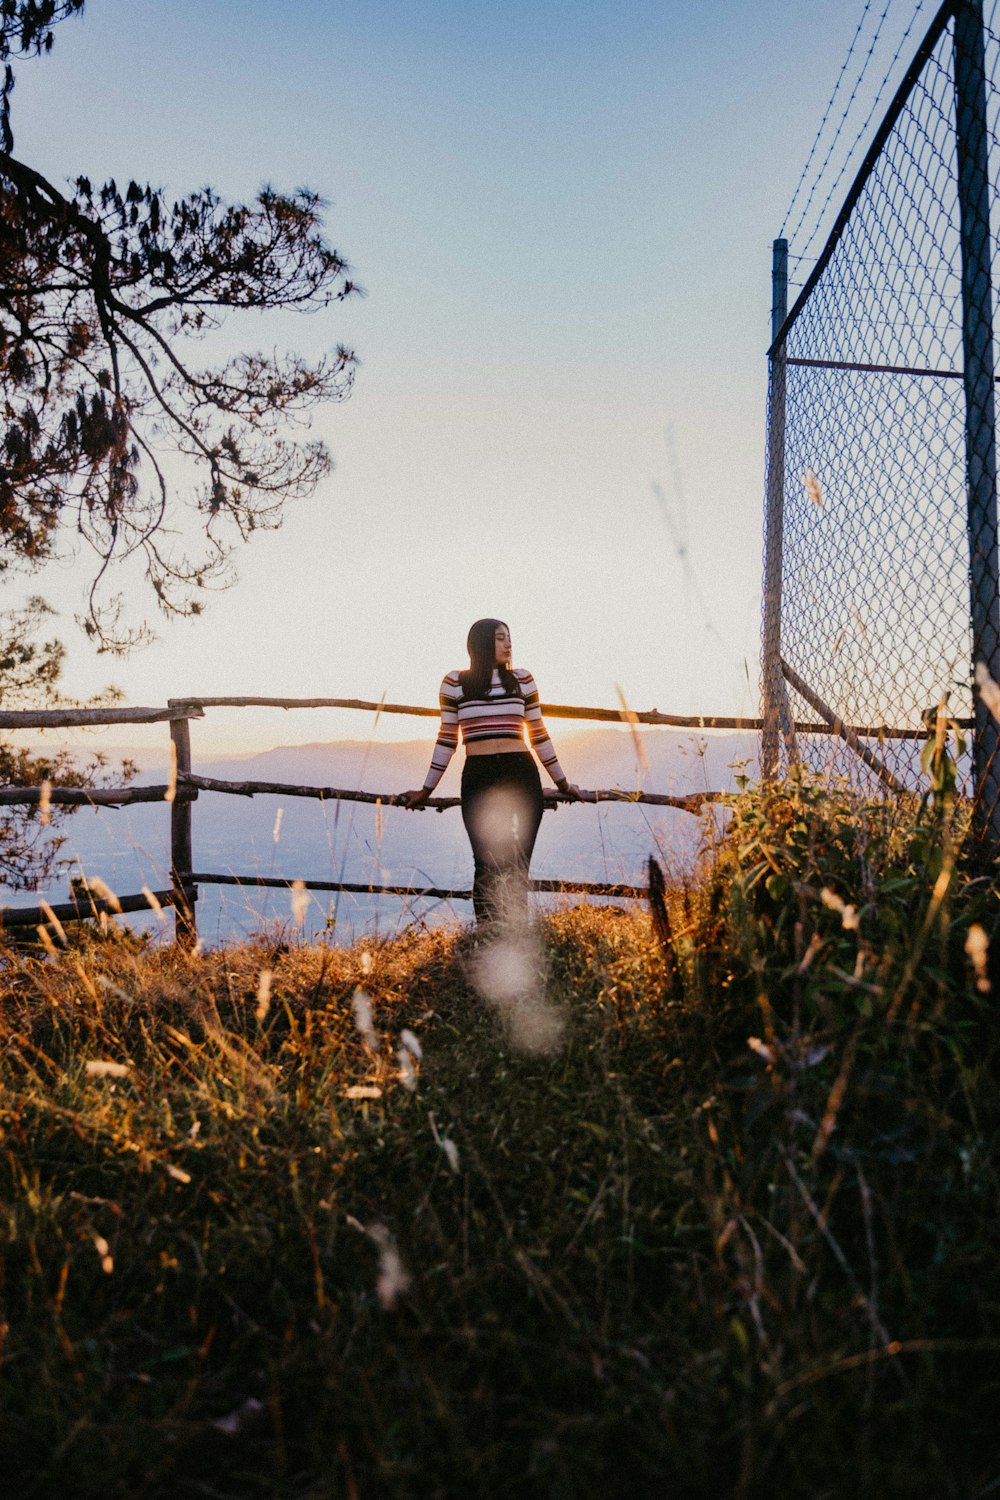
(286, 1220)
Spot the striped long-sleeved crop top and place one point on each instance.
(499, 716)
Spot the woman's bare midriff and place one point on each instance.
(496, 747)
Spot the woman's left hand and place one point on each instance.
(570, 790)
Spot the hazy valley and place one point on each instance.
(299, 838)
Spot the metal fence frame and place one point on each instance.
(971, 139)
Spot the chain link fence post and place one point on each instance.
(773, 682)
(980, 413)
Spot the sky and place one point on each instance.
(562, 213)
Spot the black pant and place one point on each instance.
(502, 812)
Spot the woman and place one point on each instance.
(501, 790)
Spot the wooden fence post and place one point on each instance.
(181, 853)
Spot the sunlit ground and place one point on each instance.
(574, 1209)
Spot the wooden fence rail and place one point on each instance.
(74, 718)
(194, 708)
(185, 786)
(553, 887)
(650, 716)
(103, 796)
(84, 907)
(692, 802)
(92, 906)
(188, 787)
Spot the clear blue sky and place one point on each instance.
(562, 213)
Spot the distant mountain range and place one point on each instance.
(129, 847)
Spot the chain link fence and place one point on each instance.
(880, 578)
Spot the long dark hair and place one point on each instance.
(482, 648)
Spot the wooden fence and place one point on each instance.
(184, 786)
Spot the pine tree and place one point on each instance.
(107, 294)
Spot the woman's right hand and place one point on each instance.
(414, 799)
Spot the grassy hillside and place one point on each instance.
(705, 1216)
